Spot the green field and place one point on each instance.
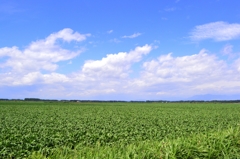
(119, 130)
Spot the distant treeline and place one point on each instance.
(147, 101)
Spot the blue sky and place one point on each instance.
(120, 50)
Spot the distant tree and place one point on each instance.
(32, 99)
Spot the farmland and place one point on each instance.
(119, 130)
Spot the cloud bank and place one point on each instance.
(42, 54)
(32, 71)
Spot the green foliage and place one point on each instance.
(44, 129)
(222, 144)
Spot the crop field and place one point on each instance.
(119, 130)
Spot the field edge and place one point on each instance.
(220, 144)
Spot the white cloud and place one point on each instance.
(182, 69)
(66, 35)
(186, 76)
(218, 31)
(42, 54)
(106, 76)
(227, 50)
(109, 75)
(110, 31)
(28, 79)
(236, 64)
(55, 78)
(132, 36)
(31, 78)
(115, 65)
(164, 77)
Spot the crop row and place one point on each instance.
(28, 127)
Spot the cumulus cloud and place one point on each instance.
(24, 67)
(182, 69)
(132, 36)
(109, 75)
(218, 31)
(42, 54)
(31, 78)
(115, 65)
(187, 75)
(237, 65)
(105, 76)
(160, 78)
